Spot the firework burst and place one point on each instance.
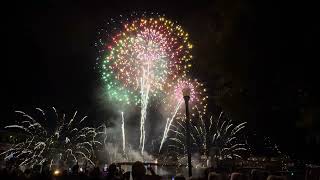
(198, 100)
(69, 141)
(215, 134)
(144, 50)
(142, 59)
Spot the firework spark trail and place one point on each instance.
(168, 124)
(84, 118)
(145, 88)
(19, 127)
(55, 111)
(123, 134)
(42, 111)
(71, 153)
(74, 115)
(177, 132)
(20, 112)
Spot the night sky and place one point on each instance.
(258, 60)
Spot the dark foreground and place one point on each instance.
(140, 172)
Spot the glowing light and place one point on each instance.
(193, 85)
(56, 172)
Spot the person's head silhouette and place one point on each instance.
(138, 170)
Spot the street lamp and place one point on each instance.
(186, 97)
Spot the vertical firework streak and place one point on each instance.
(123, 134)
(69, 140)
(168, 124)
(145, 88)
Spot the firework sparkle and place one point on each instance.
(142, 59)
(218, 133)
(69, 141)
(198, 100)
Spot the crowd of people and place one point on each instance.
(140, 172)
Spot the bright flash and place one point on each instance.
(56, 172)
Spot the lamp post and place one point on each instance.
(186, 97)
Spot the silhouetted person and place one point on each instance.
(112, 172)
(258, 174)
(95, 173)
(75, 169)
(273, 177)
(126, 175)
(214, 176)
(179, 177)
(138, 171)
(27, 174)
(237, 176)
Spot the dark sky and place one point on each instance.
(263, 55)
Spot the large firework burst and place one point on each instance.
(144, 57)
(70, 141)
(145, 51)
